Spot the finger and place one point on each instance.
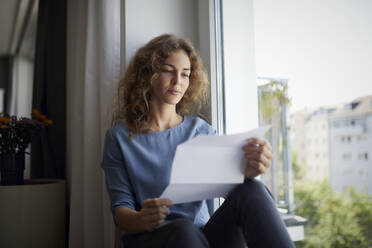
(258, 141)
(156, 202)
(261, 169)
(164, 201)
(261, 158)
(256, 147)
(166, 210)
(153, 217)
(257, 155)
(155, 210)
(255, 142)
(148, 215)
(267, 153)
(156, 224)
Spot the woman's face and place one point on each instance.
(173, 79)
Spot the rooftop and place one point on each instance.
(361, 106)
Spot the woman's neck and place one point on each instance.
(163, 118)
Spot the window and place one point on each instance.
(346, 156)
(272, 105)
(1, 100)
(363, 156)
(347, 172)
(286, 36)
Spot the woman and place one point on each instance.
(150, 119)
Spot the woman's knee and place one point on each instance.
(251, 189)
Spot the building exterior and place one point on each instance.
(298, 136)
(310, 142)
(350, 145)
(317, 145)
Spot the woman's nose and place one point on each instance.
(176, 78)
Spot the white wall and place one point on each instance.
(146, 19)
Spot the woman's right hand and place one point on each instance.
(153, 213)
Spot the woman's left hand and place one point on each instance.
(258, 157)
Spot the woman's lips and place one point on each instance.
(174, 92)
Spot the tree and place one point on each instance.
(362, 204)
(335, 219)
(298, 171)
(272, 100)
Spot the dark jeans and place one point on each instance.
(248, 216)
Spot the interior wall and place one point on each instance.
(145, 20)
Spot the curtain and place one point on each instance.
(48, 151)
(93, 68)
(5, 82)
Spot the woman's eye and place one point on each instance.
(186, 75)
(165, 70)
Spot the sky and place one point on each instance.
(324, 48)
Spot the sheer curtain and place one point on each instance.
(93, 67)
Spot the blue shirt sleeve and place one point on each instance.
(205, 128)
(117, 180)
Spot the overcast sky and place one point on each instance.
(324, 47)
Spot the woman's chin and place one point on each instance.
(173, 100)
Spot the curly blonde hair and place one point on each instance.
(131, 103)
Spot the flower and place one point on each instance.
(4, 120)
(16, 133)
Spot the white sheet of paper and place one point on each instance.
(208, 166)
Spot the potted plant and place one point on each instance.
(16, 133)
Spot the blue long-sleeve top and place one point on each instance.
(139, 168)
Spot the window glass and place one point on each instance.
(313, 61)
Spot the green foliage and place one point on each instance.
(298, 171)
(272, 96)
(335, 219)
(362, 205)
